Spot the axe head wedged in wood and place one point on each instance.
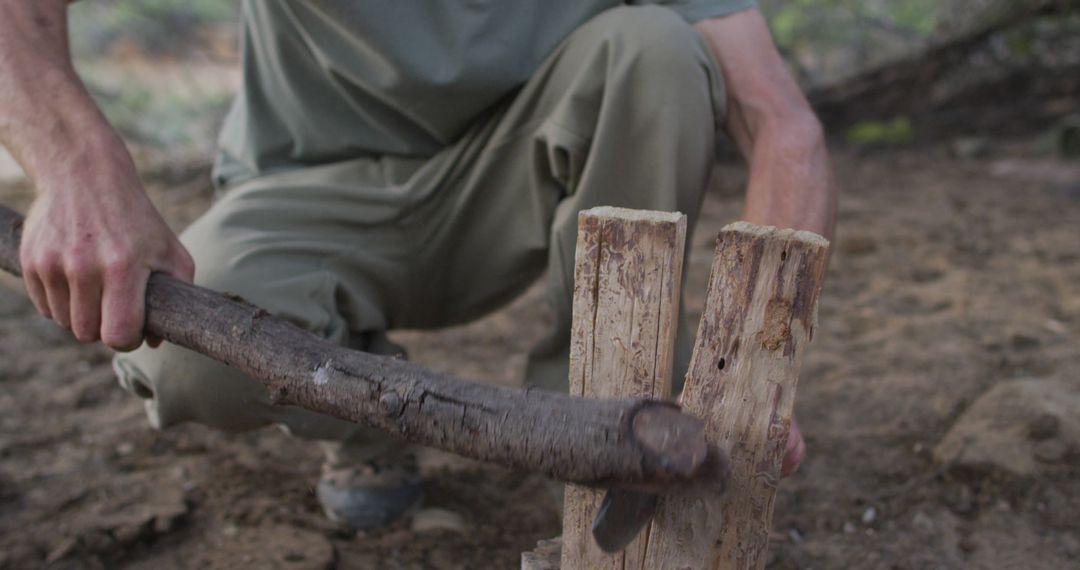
(679, 440)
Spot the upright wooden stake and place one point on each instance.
(759, 316)
(627, 279)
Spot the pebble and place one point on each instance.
(1055, 326)
(796, 537)
(438, 519)
(848, 527)
(869, 515)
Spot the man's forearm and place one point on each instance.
(92, 237)
(45, 111)
(791, 183)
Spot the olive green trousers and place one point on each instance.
(625, 112)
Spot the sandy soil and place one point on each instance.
(949, 277)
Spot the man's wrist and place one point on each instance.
(80, 155)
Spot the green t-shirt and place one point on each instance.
(326, 80)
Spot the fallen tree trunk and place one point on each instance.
(905, 86)
(604, 443)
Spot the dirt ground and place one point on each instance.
(949, 277)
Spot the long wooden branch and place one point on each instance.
(640, 444)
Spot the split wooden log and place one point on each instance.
(759, 316)
(627, 281)
(593, 442)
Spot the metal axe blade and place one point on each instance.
(621, 517)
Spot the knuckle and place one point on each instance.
(119, 264)
(49, 265)
(79, 267)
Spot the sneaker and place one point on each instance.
(370, 493)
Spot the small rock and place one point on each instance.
(795, 536)
(1050, 451)
(1055, 326)
(125, 448)
(438, 519)
(848, 527)
(869, 515)
(1000, 431)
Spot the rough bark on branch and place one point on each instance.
(626, 443)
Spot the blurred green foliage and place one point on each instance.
(881, 133)
(167, 105)
(824, 41)
(827, 39)
(159, 26)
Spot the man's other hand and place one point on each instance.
(90, 242)
(794, 451)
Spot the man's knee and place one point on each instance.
(655, 40)
(178, 385)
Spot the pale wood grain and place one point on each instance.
(758, 318)
(627, 280)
